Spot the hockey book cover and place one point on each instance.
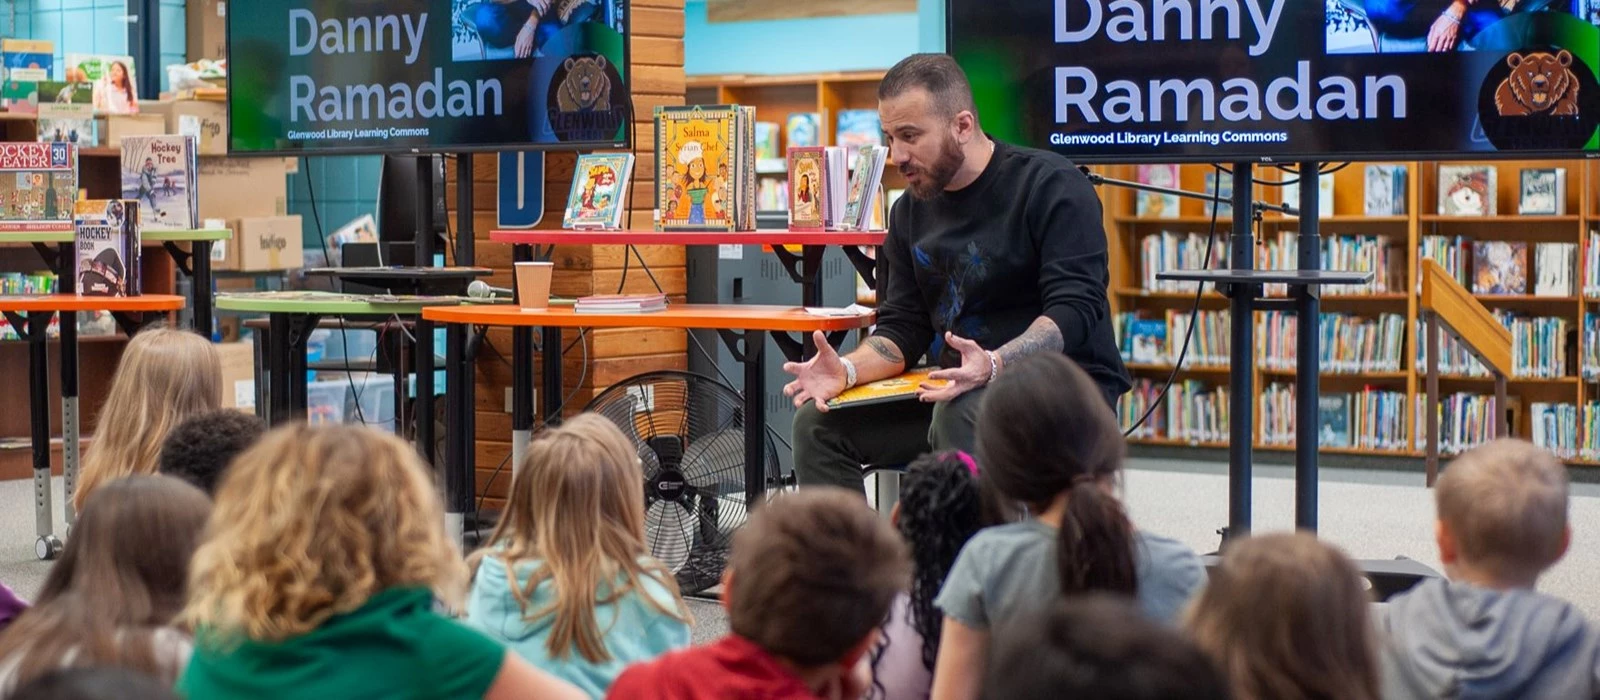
(107, 244)
(159, 173)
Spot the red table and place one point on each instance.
(30, 316)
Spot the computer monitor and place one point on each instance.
(411, 195)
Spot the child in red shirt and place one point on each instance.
(808, 584)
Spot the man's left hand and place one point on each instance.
(971, 374)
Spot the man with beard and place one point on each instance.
(997, 252)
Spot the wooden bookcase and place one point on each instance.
(1125, 229)
(99, 177)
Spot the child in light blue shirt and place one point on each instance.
(586, 599)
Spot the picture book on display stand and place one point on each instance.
(808, 191)
(866, 177)
(38, 185)
(116, 89)
(108, 248)
(705, 168)
(600, 186)
(159, 172)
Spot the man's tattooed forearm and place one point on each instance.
(1042, 336)
(886, 350)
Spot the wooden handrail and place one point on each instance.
(1468, 319)
(1445, 301)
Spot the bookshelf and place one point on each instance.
(1402, 234)
(99, 177)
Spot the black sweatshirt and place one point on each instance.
(1024, 240)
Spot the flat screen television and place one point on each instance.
(1284, 80)
(312, 77)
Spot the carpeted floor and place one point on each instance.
(1371, 514)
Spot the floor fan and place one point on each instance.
(689, 431)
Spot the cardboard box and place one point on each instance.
(117, 126)
(238, 375)
(207, 29)
(243, 188)
(205, 119)
(262, 243)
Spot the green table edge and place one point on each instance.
(329, 306)
(202, 234)
(36, 237)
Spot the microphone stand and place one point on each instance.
(1243, 285)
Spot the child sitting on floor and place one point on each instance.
(1485, 632)
(164, 377)
(200, 448)
(319, 575)
(940, 508)
(810, 579)
(566, 580)
(1050, 446)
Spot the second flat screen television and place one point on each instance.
(314, 77)
(1221, 80)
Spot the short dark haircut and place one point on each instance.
(814, 572)
(106, 683)
(199, 449)
(936, 73)
(1097, 646)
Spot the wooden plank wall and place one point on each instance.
(613, 355)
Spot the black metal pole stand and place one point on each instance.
(1308, 303)
(1241, 403)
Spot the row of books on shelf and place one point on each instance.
(1539, 347)
(1486, 267)
(1464, 190)
(1376, 254)
(1591, 265)
(1160, 341)
(27, 283)
(1346, 343)
(1192, 411)
(1501, 267)
(1371, 419)
(39, 183)
(854, 128)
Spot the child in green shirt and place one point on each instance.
(318, 578)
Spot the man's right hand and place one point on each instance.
(817, 379)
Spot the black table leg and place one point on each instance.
(300, 329)
(749, 349)
(200, 288)
(521, 380)
(278, 354)
(423, 355)
(554, 392)
(48, 545)
(458, 476)
(1241, 402)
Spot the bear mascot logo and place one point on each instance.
(1539, 83)
(586, 86)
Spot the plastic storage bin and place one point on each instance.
(326, 401)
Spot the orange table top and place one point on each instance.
(73, 302)
(687, 316)
(775, 237)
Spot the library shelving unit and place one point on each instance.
(99, 177)
(1404, 233)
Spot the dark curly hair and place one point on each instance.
(941, 507)
(199, 449)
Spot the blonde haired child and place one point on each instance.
(1485, 632)
(165, 377)
(318, 578)
(567, 581)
